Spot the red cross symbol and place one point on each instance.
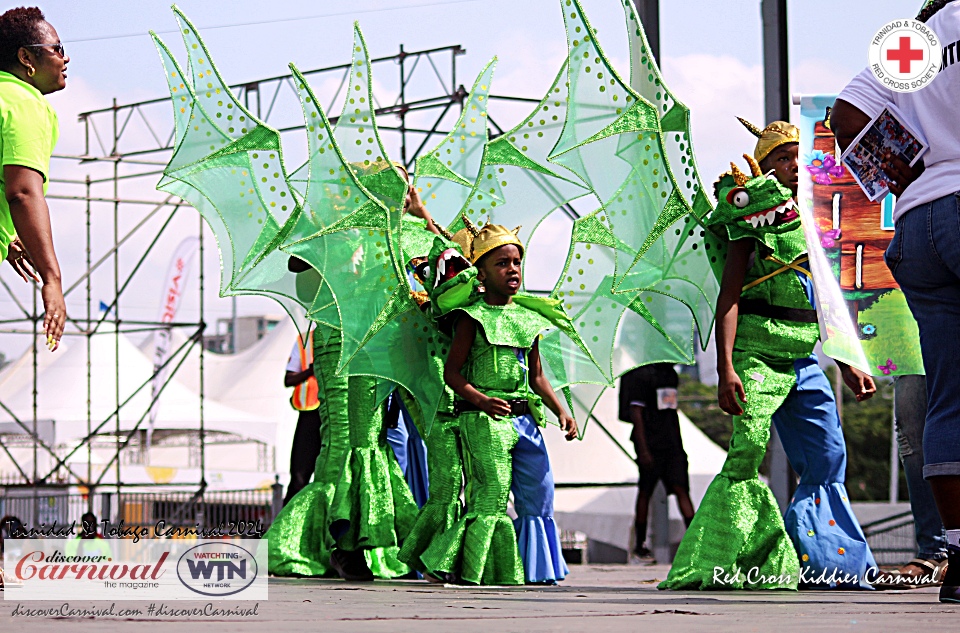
(905, 55)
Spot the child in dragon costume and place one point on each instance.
(766, 332)
(494, 367)
(351, 519)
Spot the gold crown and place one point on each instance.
(771, 137)
(478, 242)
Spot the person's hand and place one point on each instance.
(569, 426)
(55, 313)
(414, 205)
(645, 459)
(20, 260)
(730, 394)
(495, 407)
(859, 383)
(901, 174)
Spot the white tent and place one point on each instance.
(606, 513)
(250, 381)
(62, 393)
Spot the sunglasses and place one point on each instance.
(57, 48)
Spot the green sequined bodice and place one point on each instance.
(495, 370)
(774, 337)
(784, 289)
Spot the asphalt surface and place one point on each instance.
(593, 598)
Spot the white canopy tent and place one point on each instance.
(250, 381)
(62, 394)
(606, 513)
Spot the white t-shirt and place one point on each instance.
(934, 111)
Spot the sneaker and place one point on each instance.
(950, 589)
(918, 573)
(352, 566)
(641, 556)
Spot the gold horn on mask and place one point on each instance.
(754, 167)
(738, 176)
(474, 230)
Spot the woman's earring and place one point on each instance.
(30, 71)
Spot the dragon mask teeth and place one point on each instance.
(772, 216)
(450, 264)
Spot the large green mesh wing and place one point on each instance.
(517, 186)
(352, 198)
(639, 275)
(351, 231)
(615, 141)
(229, 166)
(446, 175)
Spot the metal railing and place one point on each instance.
(892, 539)
(246, 511)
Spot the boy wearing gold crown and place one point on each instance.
(494, 368)
(766, 332)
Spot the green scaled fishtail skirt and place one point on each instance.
(299, 539)
(481, 548)
(372, 507)
(737, 538)
(442, 509)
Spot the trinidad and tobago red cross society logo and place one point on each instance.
(905, 55)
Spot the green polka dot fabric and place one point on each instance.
(446, 174)
(641, 272)
(235, 179)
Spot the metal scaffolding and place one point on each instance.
(127, 146)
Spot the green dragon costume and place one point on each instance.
(639, 280)
(445, 270)
(738, 528)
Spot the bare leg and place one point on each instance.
(640, 519)
(685, 504)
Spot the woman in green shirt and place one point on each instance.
(32, 64)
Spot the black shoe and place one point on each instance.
(352, 566)
(950, 589)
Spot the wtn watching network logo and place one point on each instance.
(128, 569)
(217, 569)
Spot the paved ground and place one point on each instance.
(595, 598)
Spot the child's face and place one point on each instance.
(500, 271)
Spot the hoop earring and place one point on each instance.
(30, 71)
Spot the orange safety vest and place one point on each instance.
(305, 394)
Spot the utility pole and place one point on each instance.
(776, 92)
(649, 13)
(776, 70)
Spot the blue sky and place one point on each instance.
(710, 54)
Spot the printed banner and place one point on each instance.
(173, 284)
(864, 318)
(127, 569)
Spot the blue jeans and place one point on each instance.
(924, 257)
(910, 413)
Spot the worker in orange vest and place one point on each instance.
(306, 438)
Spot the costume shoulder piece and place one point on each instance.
(518, 324)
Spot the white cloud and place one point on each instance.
(717, 89)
